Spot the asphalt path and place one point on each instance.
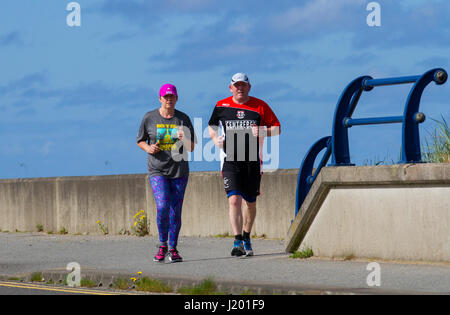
(22, 253)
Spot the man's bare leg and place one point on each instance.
(235, 211)
(249, 215)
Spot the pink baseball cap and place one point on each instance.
(168, 89)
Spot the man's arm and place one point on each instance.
(261, 131)
(273, 131)
(270, 119)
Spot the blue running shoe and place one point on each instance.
(248, 247)
(238, 248)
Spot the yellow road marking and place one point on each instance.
(47, 288)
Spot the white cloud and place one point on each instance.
(315, 14)
(191, 5)
(46, 147)
(243, 26)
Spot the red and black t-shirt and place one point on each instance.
(236, 121)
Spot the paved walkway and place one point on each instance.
(270, 270)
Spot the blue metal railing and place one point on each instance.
(305, 177)
(338, 146)
(410, 118)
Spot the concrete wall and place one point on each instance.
(399, 212)
(388, 212)
(384, 223)
(76, 203)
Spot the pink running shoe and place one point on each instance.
(161, 255)
(174, 256)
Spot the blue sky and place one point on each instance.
(72, 98)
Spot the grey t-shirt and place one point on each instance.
(171, 161)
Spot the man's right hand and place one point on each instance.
(218, 141)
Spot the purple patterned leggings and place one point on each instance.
(169, 195)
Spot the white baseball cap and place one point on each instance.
(239, 77)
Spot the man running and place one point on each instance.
(244, 121)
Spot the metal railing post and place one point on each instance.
(305, 178)
(412, 117)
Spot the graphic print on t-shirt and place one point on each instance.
(166, 136)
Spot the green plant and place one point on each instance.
(121, 284)
(386, 160)
(103, 228)
(151, 285)
(375, 162)
(14, 279)
(124, 232)
(437, 149)
(39, 227)
(63, 231)
(141, 227)
(86, 283)
(206, 287)
(248, 292)
(305, 253)
(36, 277)
(224, 235)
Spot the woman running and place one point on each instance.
(165, 134)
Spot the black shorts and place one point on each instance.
(242, 178)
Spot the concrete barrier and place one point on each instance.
(387, 212)
(399, 212)
(76, 203)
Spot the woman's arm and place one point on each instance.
(150, 149)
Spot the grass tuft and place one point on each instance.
(151, 285)
(437, 149)
(86, 283)
(37, 277)
(307, 252)
(121, 284)
(207, 287)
